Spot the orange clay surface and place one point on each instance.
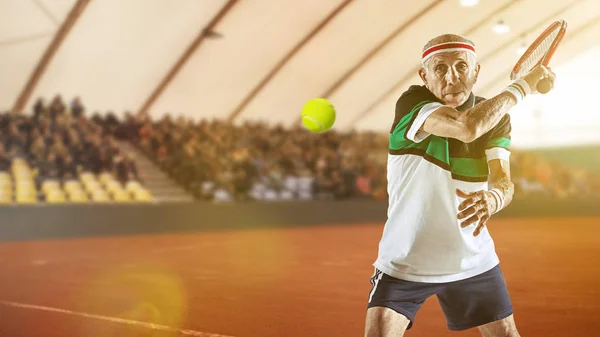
(293, 282)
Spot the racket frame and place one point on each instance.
(561, 25)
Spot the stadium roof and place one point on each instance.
(260, 59)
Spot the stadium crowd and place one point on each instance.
(216, 160)
(59, 143)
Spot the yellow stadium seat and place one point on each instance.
(86, 176)
(72, 185)
(6, 189)
(20, 168)
(19, 162)
(121, 196)
(75, 191)
(105, 178)
(114, 186)
(5, 184)
(50, 184)
(142, 195)
(90, 181)
(92, 186)
(5, 176)
(25, 189)
(56, 199)
(21, 176)
(26, 185)
(100, 196)
(26, 198)
(78, 196)
(6, 196)
(54, 191)
(133, 186)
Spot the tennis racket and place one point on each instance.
(540, 52)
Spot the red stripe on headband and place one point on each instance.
(448, 46)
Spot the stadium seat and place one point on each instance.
(55, 197)
(105, 177)
(23, 176)
(6, 184)
(142, 195)
(92, 185)
(113, 186)
(77, 196)
(72, 185)
(5, 176)
(6, 188)
(133, 186)
(121, 196)
(26, 196)
(100, 196)
(25, 187)
(6, 196)
(86, 176)
(48, 185)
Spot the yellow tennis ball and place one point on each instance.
(318, 115)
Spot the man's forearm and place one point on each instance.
(485, 115)
(506, 188)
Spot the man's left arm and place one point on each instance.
(501, 185)
(480, 206)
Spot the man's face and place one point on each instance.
(450, 76)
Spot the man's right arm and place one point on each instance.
(467, 126)
(471, 124)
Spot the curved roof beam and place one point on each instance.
(42, 65)
(373, 52)
(568, 37)
(191, 49)
(475, 27)
(252, 94)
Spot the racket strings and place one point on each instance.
(537, 54)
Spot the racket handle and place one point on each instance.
(544, 86)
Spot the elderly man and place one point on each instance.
(443, 143)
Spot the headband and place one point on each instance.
(447, 47)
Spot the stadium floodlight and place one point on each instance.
(501, 27)
(468, 3)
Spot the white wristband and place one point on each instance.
(499, 199)
(519, 89)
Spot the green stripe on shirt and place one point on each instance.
(469, 167)
(499, 142)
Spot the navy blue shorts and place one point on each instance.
(467, 303)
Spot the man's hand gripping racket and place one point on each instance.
(533, 65)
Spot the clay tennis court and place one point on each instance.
(275, 282)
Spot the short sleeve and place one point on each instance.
(498, 144)
(412, 109)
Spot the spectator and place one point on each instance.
(49, 169)
(125, 169)
(77, 108)
(4, 159)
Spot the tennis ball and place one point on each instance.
(318, 115)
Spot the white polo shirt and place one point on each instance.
(422, 239)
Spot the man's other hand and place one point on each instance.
(477, 206)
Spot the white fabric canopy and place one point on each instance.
(119, 51)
